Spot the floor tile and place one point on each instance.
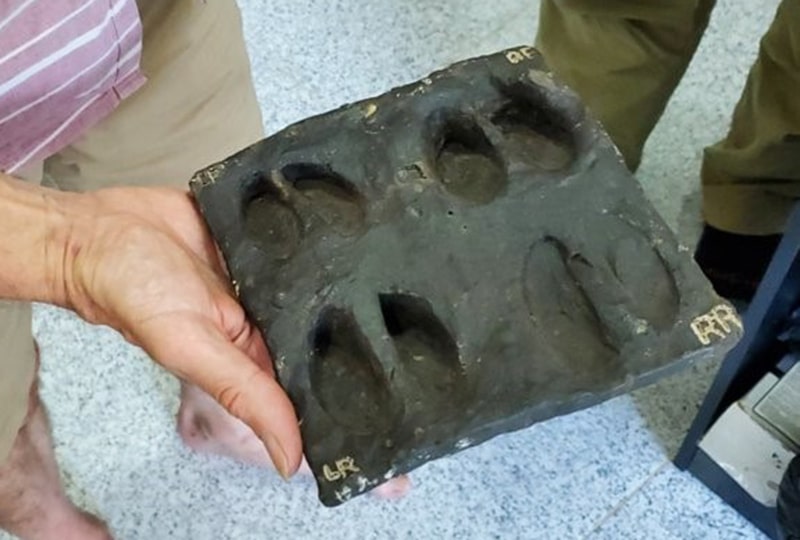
(674, 506)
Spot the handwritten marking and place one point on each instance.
(518, 55)
(343, 468)
(344, 495)
(719, 323)
(210, 174)
(370, 109)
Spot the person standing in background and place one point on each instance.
(96, 96)
(625, 58)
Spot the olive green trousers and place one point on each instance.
(625, 58)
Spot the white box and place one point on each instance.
(755, 438)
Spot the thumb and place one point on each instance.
(206, 357)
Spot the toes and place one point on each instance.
(305, 468)
(193, 429)
(394, 489)
(206, 427)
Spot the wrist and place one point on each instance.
(69, 218)
(37, 241)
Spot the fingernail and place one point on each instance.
(278, 456)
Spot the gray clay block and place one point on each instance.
(454, 259)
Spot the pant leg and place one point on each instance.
(751, 179)
(17, 370)
(17, 357)
(198, 106)
(623, 57)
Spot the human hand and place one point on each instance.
(141, 261)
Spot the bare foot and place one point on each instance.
(33, 505)
(206, 427)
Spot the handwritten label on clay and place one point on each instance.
(342, 469)
(518, 55)
(716, 324)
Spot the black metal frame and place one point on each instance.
(759, 352)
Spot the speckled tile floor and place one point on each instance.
(601, 473)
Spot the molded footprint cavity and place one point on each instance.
(468, 164)
(271, 223)
(280, 210)
(427, 353)
(534, 134)
(641, 271)
(327, 197)
(590, 309)
(346, 377)
(562, 312)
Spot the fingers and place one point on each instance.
(204, 356)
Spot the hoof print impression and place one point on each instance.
(455, 259)
(346, 377)
(563, 314)
(468, 164)
(426, 353)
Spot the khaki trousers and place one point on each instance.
(198, 106)
(625, 58)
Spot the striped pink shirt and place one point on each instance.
(64, 66)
